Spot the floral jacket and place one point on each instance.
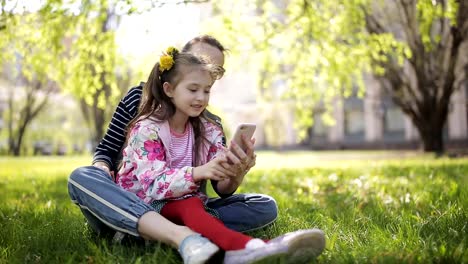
(146, 166)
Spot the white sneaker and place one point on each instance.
(296, 247)
(196, 249)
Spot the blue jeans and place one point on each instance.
(109, 208)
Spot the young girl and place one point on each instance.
(173, 148)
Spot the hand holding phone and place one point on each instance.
(246, 129)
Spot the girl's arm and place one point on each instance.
(107, 152)
(145, 153)
(228, 186)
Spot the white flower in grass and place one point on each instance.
(333, 177)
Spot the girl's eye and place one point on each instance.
(207, 92)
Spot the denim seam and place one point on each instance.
(100, 199)
(107, 223)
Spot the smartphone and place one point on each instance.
(246, 129)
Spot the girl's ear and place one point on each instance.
(168, 89)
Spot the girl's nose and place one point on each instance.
(202, 96)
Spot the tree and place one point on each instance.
(30, 62)
(64, 46)
(59, 48)
(322, 49)
(434, 31)
(98, 75)
(94, 64)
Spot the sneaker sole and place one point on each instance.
(306, 247)
(260, 257)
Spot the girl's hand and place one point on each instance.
(242, 161)
(213, 170)
(103, 166)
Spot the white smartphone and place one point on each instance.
(246, 129)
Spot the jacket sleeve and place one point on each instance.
(218, 141)
(146, 154)
(109, 148)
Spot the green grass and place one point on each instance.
(375, 207)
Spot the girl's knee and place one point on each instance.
(78, 173)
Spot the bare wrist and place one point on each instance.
(194, 173)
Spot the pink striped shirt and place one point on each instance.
(181, 148)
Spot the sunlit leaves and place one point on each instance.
(430, 11)
(322, 49)
(69, 43)
(92, 65)
(319, 48)
(381, 47)
(27, 45)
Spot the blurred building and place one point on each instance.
(372, 122)
(375, 122)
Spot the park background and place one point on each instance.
(381, 85)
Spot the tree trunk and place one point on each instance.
(94, 116)
(430, 128)
(99, 123)
(32, 107)
(11, 141)
(432, 139)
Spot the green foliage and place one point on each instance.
(320, 49)
(32, 42)
(428, 12)
(377, 207)
(66, 46)
(93, 60)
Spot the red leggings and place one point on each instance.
(191, 213)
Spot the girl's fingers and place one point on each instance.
(237, 151)
(217, 176)
(221, 158)
(230, 168)
(225, 172)
(252, 162)
(250, 145)
(232, 158)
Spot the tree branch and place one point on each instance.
(409, 26)
(462, 19)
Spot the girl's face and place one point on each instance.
(192, 93)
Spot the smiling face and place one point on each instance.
(191, 94)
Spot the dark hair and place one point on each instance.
(156, 103)
(207, 39)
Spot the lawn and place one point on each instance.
(375, 207)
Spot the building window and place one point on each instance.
(319, 129)
(354, 125)
(354, 120)
(317, 134)
(394, 122)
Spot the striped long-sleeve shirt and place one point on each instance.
(110, 148)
